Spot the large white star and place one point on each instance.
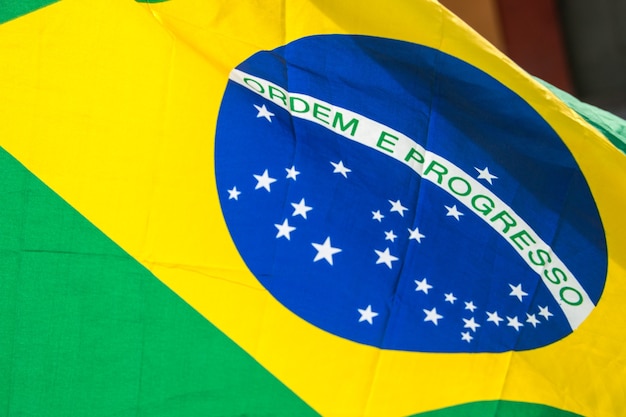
(469, 305)
(284, 230)
(453, 212)
(450, 298)
(325, 251)
(485, 175)
(415, 234)
(264, 112)
(514, 322)
(377, 216)
(397, 207)
(543, 311)
(390, 236)
(340, 169)
(233, 193)
(422, 286)
(301, 208)
(264, 181)
(517, 291)
(494, 318)
(432, 315)
(470, 324)
(292, 173)
(466, 336)
(384, 257)
(367, 314)
(532, 319)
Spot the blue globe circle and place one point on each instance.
(364, 247)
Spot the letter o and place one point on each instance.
(577, 294)
(468, 187)
(260, 89)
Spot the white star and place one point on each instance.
(263, 112)
(517, 291)
(466, 336)
(470, 324)
(325, 251)
(431, 315)
(264, 181)
(452, 211)
(233, 193)
(514, 322)
(292, 173)
(384, 257)
(377, 216)
(367, 314)
(341, 169)
(470, 306)
(300, 208)
(494, 318)
(415, 234)
(450, 298)
(423, 286)
(284, 230)
(390, 236)
(485, 175)
(397, 207)
(543, 311)
(532, 319)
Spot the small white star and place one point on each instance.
(390, 236)
(453, 212)
(466, 336)
(415, 234)
(384, 257)
(377, 216)
(485, 175)
(284, 230)
(450, 298)
(325, 251)
(340, 169)
(397, 207)
(423, 286)
(532, 319)
(471, 324)
(543, 311)
(514, 322)
(432, 315)
(233, 193)
(470, 306)
(494, 318)
(264, 181)
(517, 291)
(264, 112)
(367, 314)
(300, 208)
(292, 173)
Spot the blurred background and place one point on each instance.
(578, 46)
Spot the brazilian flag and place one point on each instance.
(299, 207)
